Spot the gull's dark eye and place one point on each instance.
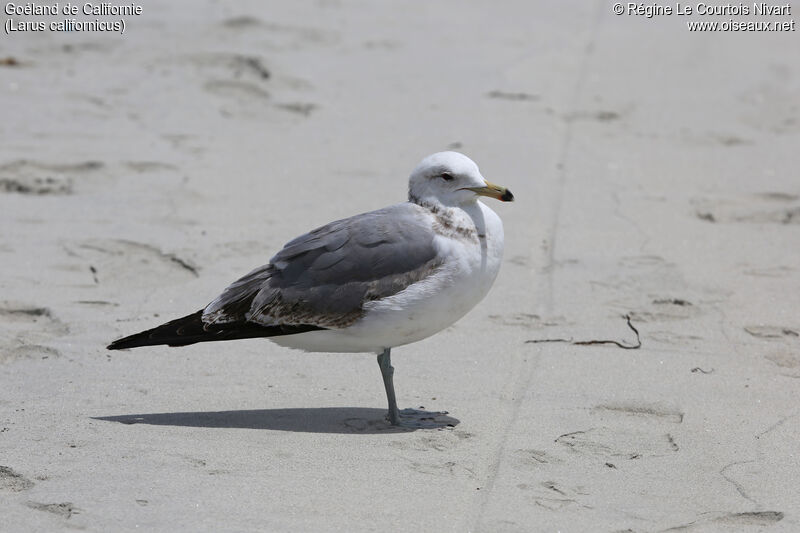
(446, 176)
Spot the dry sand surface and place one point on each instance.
(656, 176)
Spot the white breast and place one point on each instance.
(428, 306)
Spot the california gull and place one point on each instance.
(367, 283)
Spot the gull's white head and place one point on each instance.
(451, 179)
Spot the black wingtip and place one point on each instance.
(191, 329)
(124, 343)
(179, 332)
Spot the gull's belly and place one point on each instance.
(424, 309)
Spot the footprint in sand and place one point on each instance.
(554, 495)
(66, 509)
(124, 262)
(787, 361)
(26, 329)
(783, 343)
(665, 309)
(744, 522)
(773, 332)
(42, 179)
(11, 481)
(281, 36)
(628, 431)
(771, 207)
(247, 85)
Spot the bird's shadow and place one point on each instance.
(362, 420)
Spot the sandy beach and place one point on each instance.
(655, 171)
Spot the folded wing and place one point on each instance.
(325, 277)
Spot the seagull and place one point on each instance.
(368, 283)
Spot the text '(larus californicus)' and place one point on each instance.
(367, 283)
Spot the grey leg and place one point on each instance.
(387, 371)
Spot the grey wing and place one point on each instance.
(325, 277)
